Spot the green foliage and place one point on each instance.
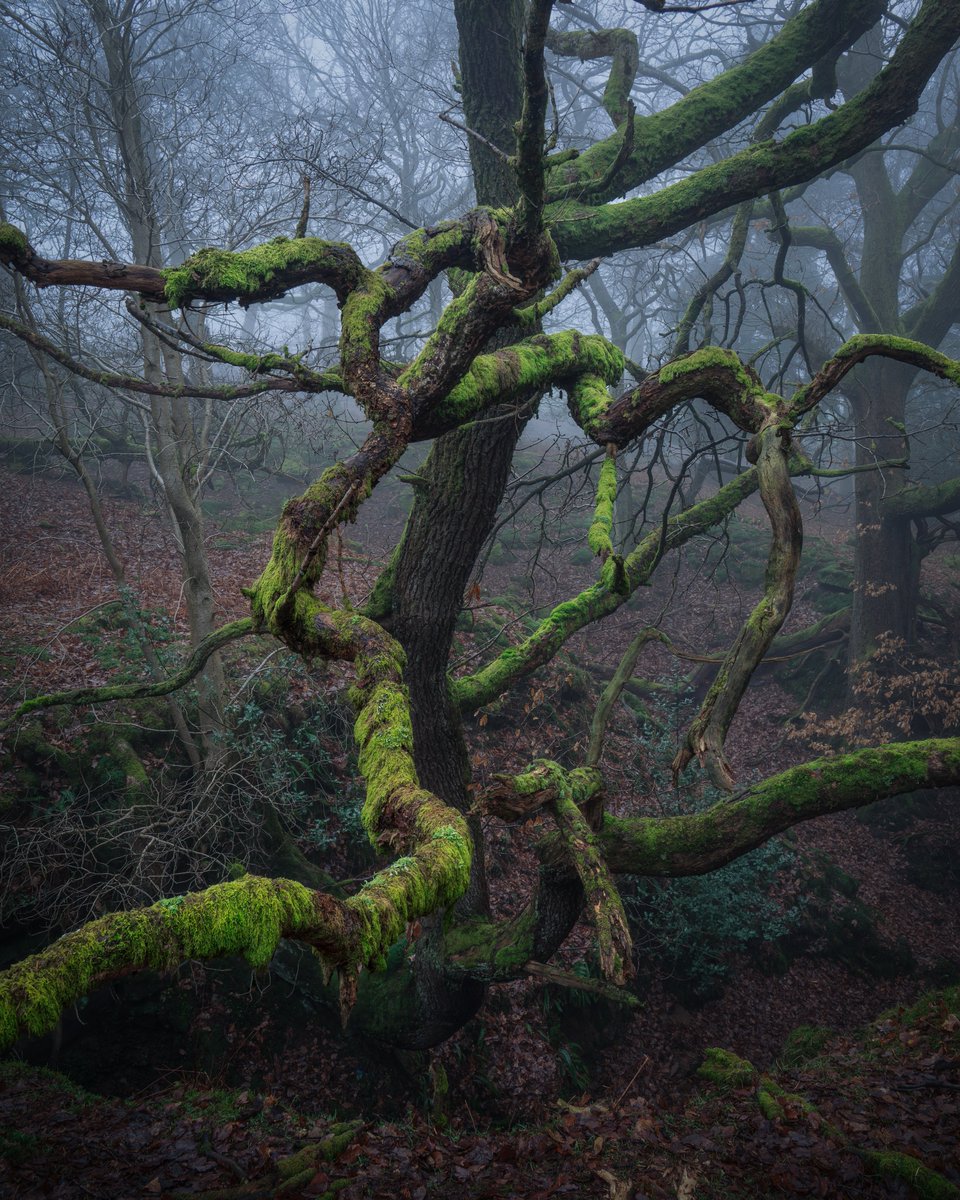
(694, 927)
(286, 750)
(575, 1072)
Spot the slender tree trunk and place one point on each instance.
(885, 584)
(177, 455)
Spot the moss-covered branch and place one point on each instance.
(249, 916)
(599, 535)
(869, 345)
(534, 313)
(519, 797)
(671, 135)
(281, 599)
(709, 729)
(620, 46)
(697, 843)
(601, 598)
(614, 945)
(584, 230)
(134, 383)
(505, 376)
(529, 161)
(303, 377)
(110, 693)
(923, 500)
(612, 692)
(263, 272)
(713, 373)
(580, 983)
(727, 1070)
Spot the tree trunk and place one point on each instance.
(885, 585)
(453, 513)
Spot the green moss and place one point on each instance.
(803, 1044)
(245, 275)
(774, 1100)
(948, 998)
(927, 1184)
(254, 363)
(492, 951)
(726, 1069)
(902, 347)
(601, 527)
(14, 246)
(703, 359)
(589, 402)
(301, 521)
(698, 842)
(716, 106)
(769, 1105)
(245, 918)
(361, 316)
(561, 359)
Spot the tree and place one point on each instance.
(904, 281)
(470, 386)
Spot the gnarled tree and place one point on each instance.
(538, 207)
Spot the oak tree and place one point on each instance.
(541, 208)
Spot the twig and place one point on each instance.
(633, 1077)
(445, 116)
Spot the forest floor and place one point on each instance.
(544, 1094)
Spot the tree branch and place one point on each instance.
(697, 843)
(673, 134)
(250, 916)
(582, 231)
(709, 729)
(139, 691)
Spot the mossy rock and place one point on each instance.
(834, 582)
(726, 1069)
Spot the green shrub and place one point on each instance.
(695, 927)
